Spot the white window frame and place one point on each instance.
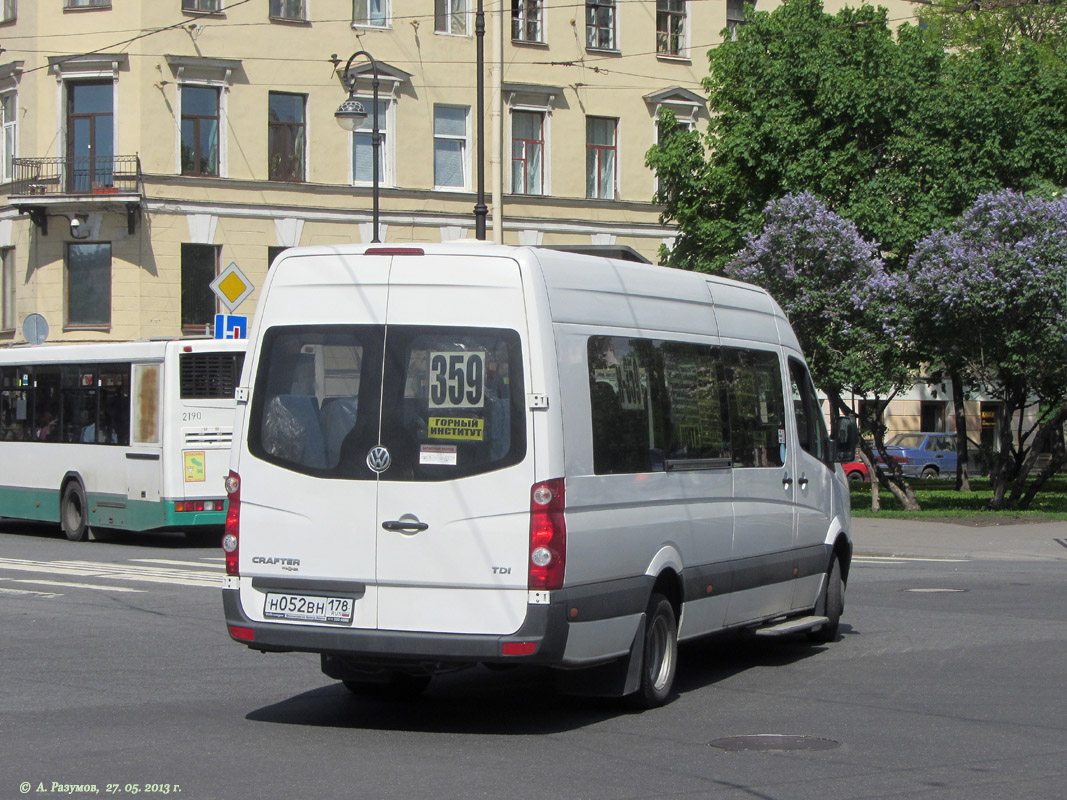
(522, 19)
(211, 73)
(9, 11)
(75, 70)
(546, 186)
(733, 21)
(8, 317)
(387, 14)
(10, 134)
(197, 10)
(76, 4)
(613, 5)
(304, 12)
(447, 10)
(386, 128)
(615, 194)
(683, 46)
(465, 140)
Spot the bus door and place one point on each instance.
(144, 467)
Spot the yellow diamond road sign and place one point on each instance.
(232, 287)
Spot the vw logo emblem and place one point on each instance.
(378, 459)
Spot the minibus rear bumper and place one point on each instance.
(542, 639)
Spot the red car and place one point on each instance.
(856, 472)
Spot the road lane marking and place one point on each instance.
(907, 559)
(200, 564)
(72, 585)
(5, 590)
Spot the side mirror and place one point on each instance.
(846, 437)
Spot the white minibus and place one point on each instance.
(124, 435)
(467, 453)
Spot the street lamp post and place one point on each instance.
(351, 114)
(480, 209)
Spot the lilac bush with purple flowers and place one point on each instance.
(988, 298)
(841, 301)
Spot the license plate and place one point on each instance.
(309, 608)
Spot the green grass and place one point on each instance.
(940, 500)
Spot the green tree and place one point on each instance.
(973, 24)
(888, 129)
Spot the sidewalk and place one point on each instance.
(899, 537)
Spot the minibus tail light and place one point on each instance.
(233, 523)
(548, 535)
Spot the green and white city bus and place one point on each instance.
(130, 435)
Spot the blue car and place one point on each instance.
(924, 455)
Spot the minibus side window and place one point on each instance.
(757, 407)
(811, 429)
(656, 405)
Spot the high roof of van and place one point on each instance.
(594, 290)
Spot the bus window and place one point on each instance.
(147, 380)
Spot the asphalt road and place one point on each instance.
(947, 682)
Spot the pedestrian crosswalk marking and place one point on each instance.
(207, 575)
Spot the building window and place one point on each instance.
(670, 27)
(288, 9)
(200, 130)
(273, 253)
(527, 20)
(88, 3)
(373, 13)
(286, 137)
(207, 6)
(600, 150)
(527, 152)
(199, 267)
(735, 16)
(8, 117)
(7, 289)
(450, 16)
(932, 417)
(9, 11)
(450, 146)
(363, 146)
(600, 25)
(88, 285)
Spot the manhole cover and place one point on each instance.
(769, 742)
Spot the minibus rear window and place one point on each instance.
(449, 405)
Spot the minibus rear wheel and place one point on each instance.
(74, 512)
(659, 654)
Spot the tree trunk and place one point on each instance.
(963, 480)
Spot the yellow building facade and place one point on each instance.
(149, 144)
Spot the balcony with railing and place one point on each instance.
(77, 183)
(81, 176)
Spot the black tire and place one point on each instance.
(659, 654)
(855, 476)
(397, 685)
(831, 604)
(74, 513)
(929, 473)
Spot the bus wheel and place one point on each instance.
(831, 604)
(659, 656)
(74, 512)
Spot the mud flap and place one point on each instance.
(617, 678)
